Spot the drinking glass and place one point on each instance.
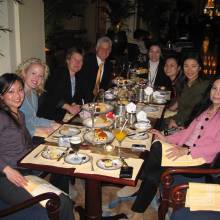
(120, 136)
(75, 143)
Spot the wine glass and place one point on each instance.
(75, 143)
(120, 135)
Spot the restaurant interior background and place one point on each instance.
(179, 25)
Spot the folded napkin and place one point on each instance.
(183, 161)
(149, 90)
(131, 107)
(142, 116)
(203, 196)
(37, 186)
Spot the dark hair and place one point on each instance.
(6, 82)
(203, 104)
(73, 50)
(175, 57)
(192, 55)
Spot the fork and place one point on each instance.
(91, 161)
(44, 149)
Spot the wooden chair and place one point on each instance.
(167, 180)
(178, 196)
(52, 206)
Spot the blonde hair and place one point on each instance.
(25, 65)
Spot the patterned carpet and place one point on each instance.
(109, 195)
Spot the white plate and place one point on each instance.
(139, 136)
(76, 160)
(150, 109)
(69, 131)
(98, 122)
(114, 164)
(100, 108)
(90, 138)
(52, 153)
(159, 101)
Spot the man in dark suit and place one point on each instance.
(96, 72)
(156, 75)
(61, 90)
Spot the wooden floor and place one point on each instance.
(108, 195)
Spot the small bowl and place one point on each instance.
(142, 126)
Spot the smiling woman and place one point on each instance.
(34, 73)
(15, 142)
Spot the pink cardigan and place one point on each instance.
(208, 145)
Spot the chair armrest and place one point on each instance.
(178, 195)
(52, 205)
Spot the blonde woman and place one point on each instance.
(34, 73)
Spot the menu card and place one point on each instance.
(203, 196)
(184, 161)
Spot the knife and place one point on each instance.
(63, 154)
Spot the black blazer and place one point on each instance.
(161, 78)
(87, 77)
(57, 92)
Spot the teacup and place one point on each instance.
(142, 126)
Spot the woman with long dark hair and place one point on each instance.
(192, 93)
(15, 142)
(200, 140)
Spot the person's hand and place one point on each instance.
(55, 125)
(172, 124)
(72, 109)
(158, 135)
(14, 176)
(176, 152)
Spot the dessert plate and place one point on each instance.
(52, 153)
(109, 164)
(69, 131)
(89, 137)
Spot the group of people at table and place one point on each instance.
(196, 101)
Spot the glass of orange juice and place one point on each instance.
(120, 136)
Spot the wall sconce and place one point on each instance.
(210, 9)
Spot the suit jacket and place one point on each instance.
(207, 146)
(87, 77)
(57, 92)
(161, 78)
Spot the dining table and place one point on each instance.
(90, 171)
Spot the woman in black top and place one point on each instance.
(15, 142)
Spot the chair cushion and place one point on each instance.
(32, 213)
(185, 213)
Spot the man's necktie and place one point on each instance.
(98, 80)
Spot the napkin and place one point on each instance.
(37, 186)
(142, 116)
(183, 161)
(131, 107)
(203, 196)
(149, 90)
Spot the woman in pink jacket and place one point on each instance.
(200, 139)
